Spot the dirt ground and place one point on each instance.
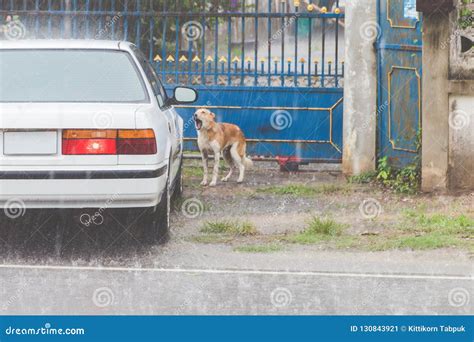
(278, 206)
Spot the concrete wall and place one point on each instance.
(461, 141)
(448, 107)
(435, 128)
(360, 87)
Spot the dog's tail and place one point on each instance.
(248, 163)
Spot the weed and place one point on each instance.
(318, 230)
(298, 190)
(229, 228)
(268, 248)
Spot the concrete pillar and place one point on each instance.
(360, 87)
(435, 123)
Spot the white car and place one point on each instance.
(87, 124)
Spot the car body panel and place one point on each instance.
(88, 181)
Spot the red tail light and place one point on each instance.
(102, 142)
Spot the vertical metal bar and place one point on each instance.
(216, 42)
(295, 81)
(112, 26)
(336, 66)
(256, 45)
(283, 28)
(242, 54)
(99, 19)
(163, 42)
(176, 52)
(151, 26)
(37, 26)
(190, 57)
(323, 52)
(125, 22)
(86, 18)
(310, 38)
(74, 19)
(50, 17)
(229, 39)
(203, 43)
(138, 24)
(269, 42)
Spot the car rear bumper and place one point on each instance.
(122, 188)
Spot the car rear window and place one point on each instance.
(69, 76)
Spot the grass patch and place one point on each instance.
(363, 178)
(304, 190)
(229, 227)
(196, 170)
(318, 230)
(269, 248)
(211, 238)
(421, 231)
(415, 242)
(438, 223)
(192, 171)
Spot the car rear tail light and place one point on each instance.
(102, 142)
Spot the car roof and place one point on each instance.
(66, 44)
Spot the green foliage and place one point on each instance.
(304, 190)
(406, 180)
(229, 227)
(363, 178)
(466, 15)
(318, 230)
(268, 248)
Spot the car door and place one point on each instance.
(175, 125)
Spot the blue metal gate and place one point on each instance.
(272, 67)
(399, 80)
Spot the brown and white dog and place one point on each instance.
(218, 138)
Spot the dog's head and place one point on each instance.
(203, 118)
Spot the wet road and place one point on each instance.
(94, 290)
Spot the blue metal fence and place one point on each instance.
(257, 63)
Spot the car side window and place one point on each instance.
(152, 77)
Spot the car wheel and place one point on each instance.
(161, 217)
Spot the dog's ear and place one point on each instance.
(213, 115)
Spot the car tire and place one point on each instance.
(160, 223)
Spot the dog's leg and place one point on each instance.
(217, 157)
(238, 161)
(228, 158)
(205, 165)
